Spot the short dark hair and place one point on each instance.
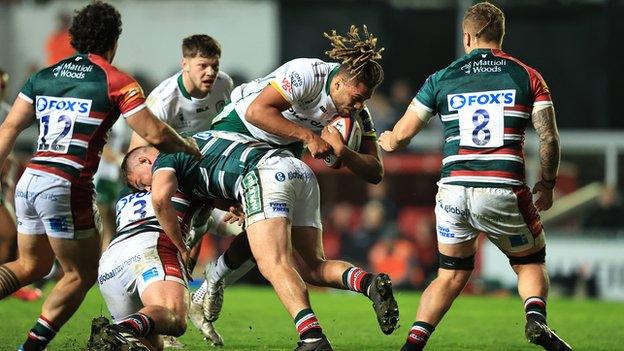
(95, 28)
(484, 20)
(358, 56)
(200, 45)
(124, 164)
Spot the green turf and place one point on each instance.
(253, 319)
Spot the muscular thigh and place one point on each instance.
(46, 204)
(130, 266)
(508, 217)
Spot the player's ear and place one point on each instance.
(185, 64)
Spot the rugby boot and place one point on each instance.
(538, 333)
(322, 344)
(213, 301)
(385, 305)
(196, 315)
(112, 337)
(172, 342)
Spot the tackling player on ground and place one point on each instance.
(485, 101)
(75, 102)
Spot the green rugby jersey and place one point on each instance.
(134, 213)
(484, 101)
(76, 102)
(227, 157)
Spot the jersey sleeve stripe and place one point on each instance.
(170, 169)
(25, 98)
(280, 90)
(415, 105)
(134, 110)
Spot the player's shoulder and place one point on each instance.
(167, 88)
(514, 61)
(224, 81)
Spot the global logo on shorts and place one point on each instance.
(481, 98)
(280, 177)
(62, 104)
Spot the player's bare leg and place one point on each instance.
(34, 262)
(8, 235)
(166, 304)
(533, 288)
(440, 294)
(270, 242)
(315, 269)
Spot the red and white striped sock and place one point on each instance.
(357, 279)
(307, 325)
(139, 323)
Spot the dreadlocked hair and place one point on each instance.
(357, 55)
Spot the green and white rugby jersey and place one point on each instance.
(227, 157)
(172, 103)
(485, 100)
(134, 213)
(304, 83)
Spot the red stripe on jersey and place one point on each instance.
(72, 158)
(51, 170)
(528, 211)
(513, 130)
(82, 137)
(98, 115)
(538, 86)
(498, 151)
(520, 108)
(499, 174)
(168, 254)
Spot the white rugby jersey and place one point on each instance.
(171, 103)
(304, 83)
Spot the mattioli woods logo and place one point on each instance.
(71, 70)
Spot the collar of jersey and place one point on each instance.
(479, 51)
(330, 77)
(182, 88)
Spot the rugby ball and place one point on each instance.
(351, 133)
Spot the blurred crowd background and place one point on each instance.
(391, 226)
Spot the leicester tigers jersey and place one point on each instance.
(227, 157)
(304, 83)
(484, 100)
(172, 103)
(76, 102)
(134, 214)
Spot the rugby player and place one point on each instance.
(485, 100)
(140, 276)
(291, 108)
(75, 102)
(188, 101)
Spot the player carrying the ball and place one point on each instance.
(292, 107)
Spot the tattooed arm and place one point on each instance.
(549, 154)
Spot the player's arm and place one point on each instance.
(19, 118)
(549, 154)
(265, 112)
(164, 186)
(161, 135)
(366, 163)
(413, 121)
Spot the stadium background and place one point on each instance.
(574, 44)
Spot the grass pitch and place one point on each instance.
(254, 319)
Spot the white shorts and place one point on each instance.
(47, 204)
(282, 187)
(506, 215)
(129, 265)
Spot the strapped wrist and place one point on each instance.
(549, 183)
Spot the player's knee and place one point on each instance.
(35, 270)
(538, 257)
(179, 327)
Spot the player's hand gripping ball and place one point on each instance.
(351, 133)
